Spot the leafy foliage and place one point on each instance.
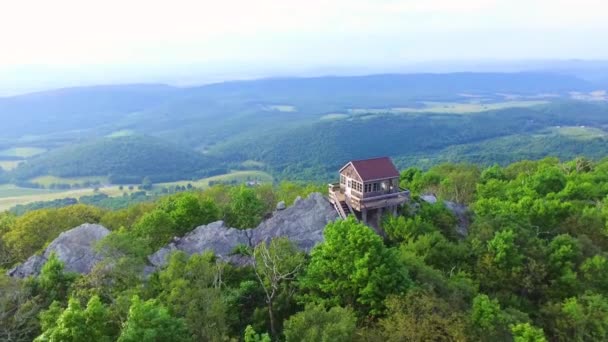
(352, 267)
(531, 265)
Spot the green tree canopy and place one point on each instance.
(352, 267)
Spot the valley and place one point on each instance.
(297, 129)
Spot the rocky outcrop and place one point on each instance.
(74, 247)
(461, 212)
(302, 223)
(215, 237)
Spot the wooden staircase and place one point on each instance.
(345, 210)
(339, 202)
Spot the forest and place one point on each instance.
(531, 266)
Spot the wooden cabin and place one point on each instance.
(368, 187)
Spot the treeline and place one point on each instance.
(531, 266)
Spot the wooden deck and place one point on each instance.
(336, 197)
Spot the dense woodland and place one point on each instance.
(532, 267)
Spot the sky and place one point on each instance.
(88, 41)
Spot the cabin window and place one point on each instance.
(375, 187)
(342, 179)
(350, 184)
(368, 187)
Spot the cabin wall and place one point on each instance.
(391, 185)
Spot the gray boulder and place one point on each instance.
(74, 247)
(281, 205)
(216, 237)
(429, 198)
(461, 212)
(303, 223)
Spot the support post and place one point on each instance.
(379, 216)
(364, 215)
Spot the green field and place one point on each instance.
(334, 116)
(11, 195)
(8, 165)
(48, 180)
(460, 108)
(22, 152)
(579, 132)
(238, 176)
(121, 133)
(282, 108)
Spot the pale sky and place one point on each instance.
(142, 36)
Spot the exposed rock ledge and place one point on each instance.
(74, 247)
(303, 223)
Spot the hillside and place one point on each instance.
(316, 150)
(529, 263)
(295, 128)
(64, 113)
(125, 159)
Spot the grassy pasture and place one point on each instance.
(238, 176)
(456, 108)
(11, 195)
(460, 108)
(8, 165)
(22, 152)
(281, 108)
(48, 180)
(579, 132)
(121, 133)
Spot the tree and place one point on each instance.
(188, 211)
(53, 283)
(595, 273)
(18, 310)
(156, 227)
(316, 323)
(421, 316)
(151, 322)
(252, 336)
(75, 324)
(190, 288)
(32, 231)
(246, 209)
(352, 267)
(487, 319)
(582, 318)
(525, 332)
(276, 264)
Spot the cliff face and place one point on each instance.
(303, 223)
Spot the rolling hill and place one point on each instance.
(294, 127)
(125, 159)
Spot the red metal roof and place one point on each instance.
(376, 168)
